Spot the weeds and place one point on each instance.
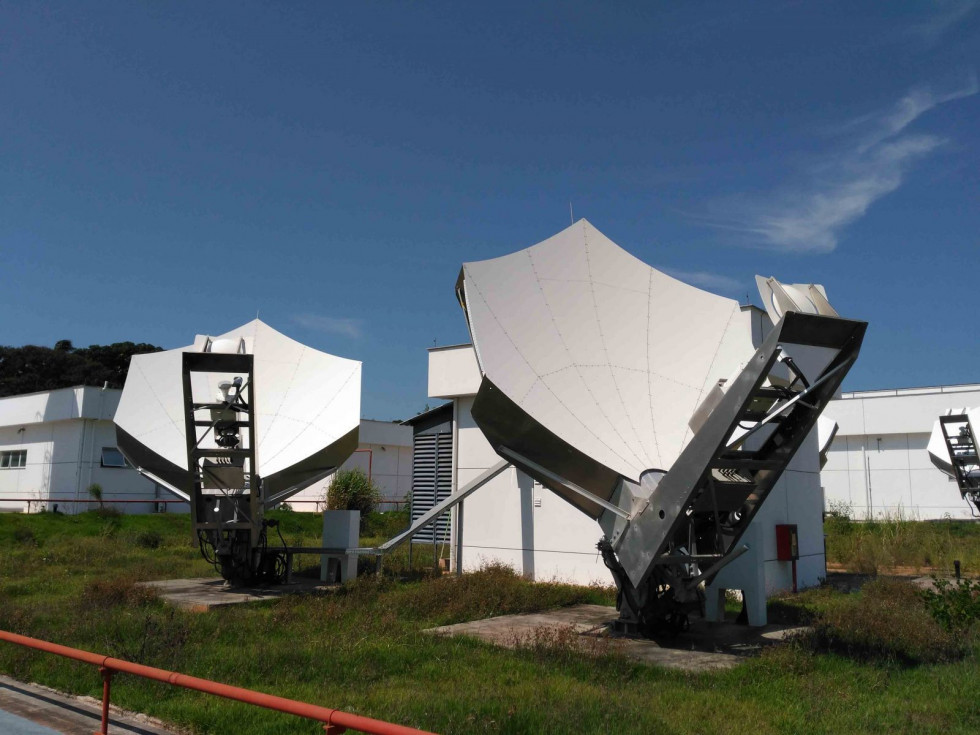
(495, 589)
(563, 643)
(148, 540)
(118, 591)
(886, 622)
(868, 547)
(955, 606)
(25, 536)
(107, 512)
(154, 637)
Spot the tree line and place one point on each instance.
(31, 368)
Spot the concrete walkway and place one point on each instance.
(705, 647)
(29, 709)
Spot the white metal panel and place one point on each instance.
(453, 371)
(386, 433)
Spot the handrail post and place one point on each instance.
(106, 687)
(331, 729)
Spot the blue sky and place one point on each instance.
(167, 169)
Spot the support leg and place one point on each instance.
(106, 689)
(714, 604)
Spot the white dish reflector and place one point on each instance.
(806, 298)
(307, 408)
(601, 350)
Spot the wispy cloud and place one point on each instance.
(808, 215)
(950, 13)
(330, 324)
(704, 279)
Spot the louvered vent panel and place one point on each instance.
(432, 482)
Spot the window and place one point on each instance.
(112, 457)
(13, 460)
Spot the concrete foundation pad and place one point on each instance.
(206, 593)
(705, 647)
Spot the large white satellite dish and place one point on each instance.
(307, 408)
(610, 355)
(236, 424)
(648, 404)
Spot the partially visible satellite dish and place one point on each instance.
(307, 408)
(968, 421)
(806, 298)
(665, 412)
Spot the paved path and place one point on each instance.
(14, 725)
(28, 709)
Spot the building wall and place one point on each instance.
(515, 521)
(63, 433)
(878, 465)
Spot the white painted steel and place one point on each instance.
(305, 399)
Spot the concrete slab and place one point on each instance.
(35, 710)
(705, 647)
(207, 593)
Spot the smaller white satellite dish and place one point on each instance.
(806, 298)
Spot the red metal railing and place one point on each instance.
(334, 721)
(113, 501)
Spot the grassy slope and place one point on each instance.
(362, 650)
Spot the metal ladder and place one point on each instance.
(962, 447)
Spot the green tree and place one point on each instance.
(31, 368)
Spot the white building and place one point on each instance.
(55, 444)
(384, 452)
(878, 465)
(516, 521)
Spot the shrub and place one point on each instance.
(111, 592)
(956, 607)
(109, 528)
(888, 621)
(25, 536)
(148, 540)
(353, 490)
(95, 492)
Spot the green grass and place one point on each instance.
(361, 649)
(867, 547)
